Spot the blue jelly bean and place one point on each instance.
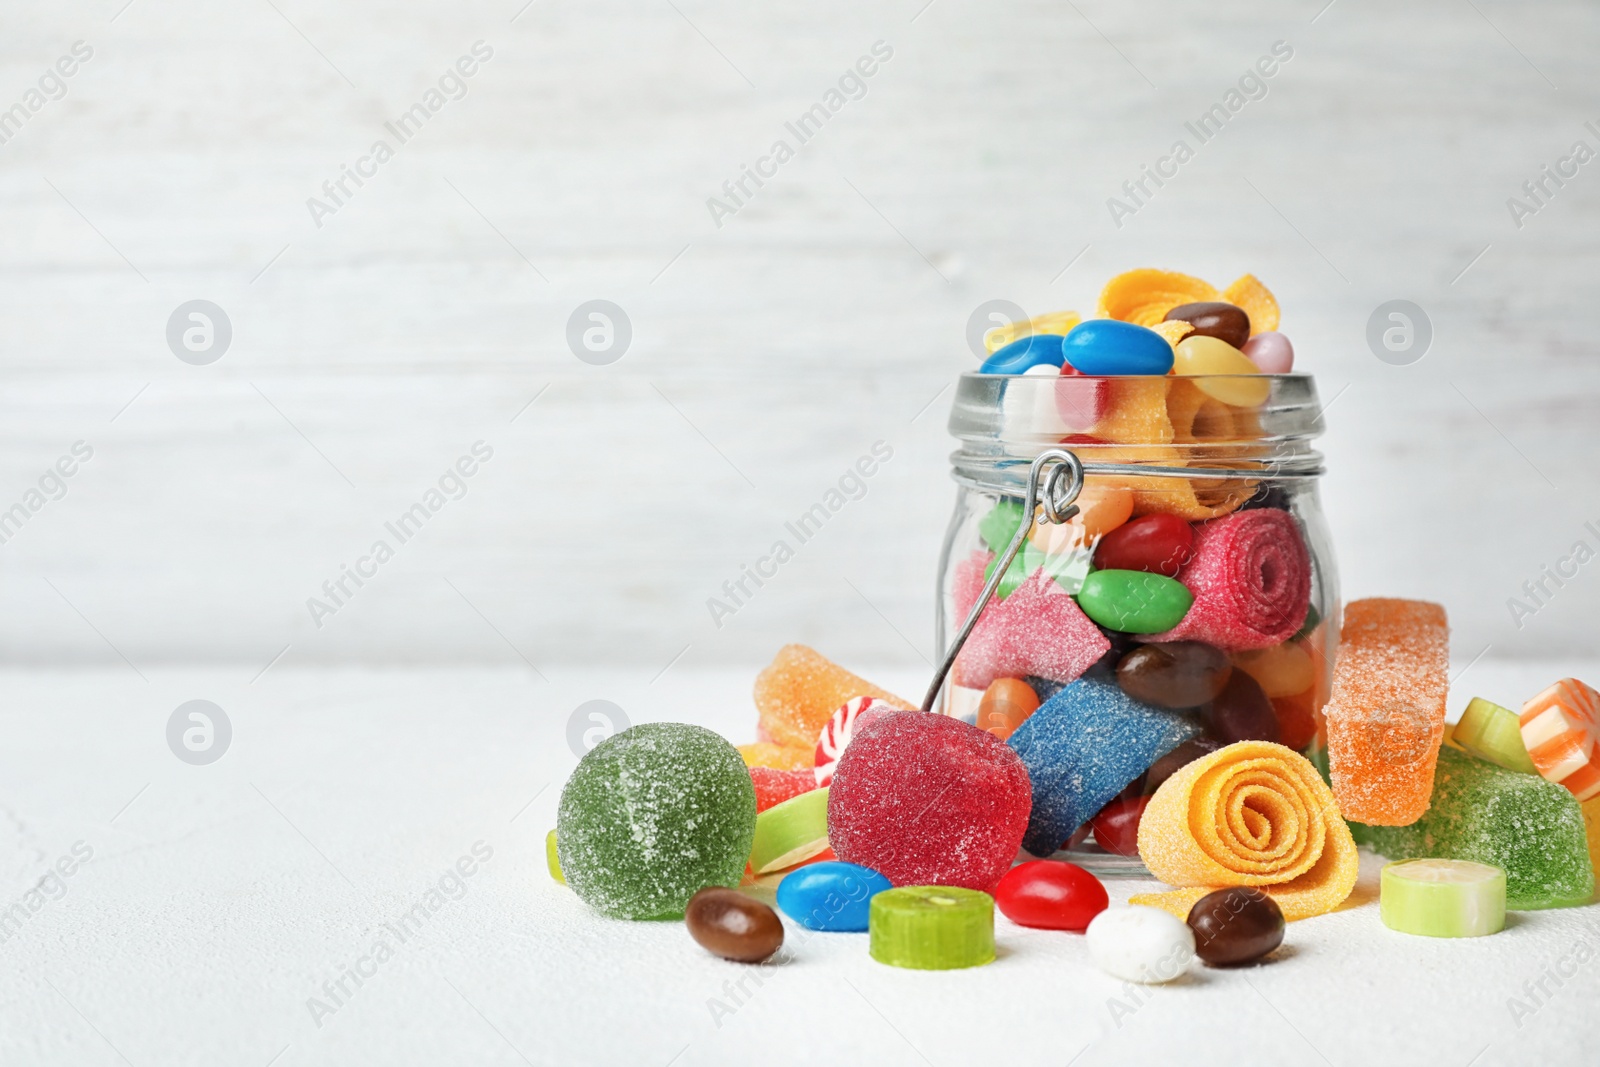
(830, 896)
(1035, 350)
(1082, 747)
(1110, 346)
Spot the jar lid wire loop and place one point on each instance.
(1059, 474)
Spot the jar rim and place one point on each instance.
(1003, 421)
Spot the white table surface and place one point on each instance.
(220, 898)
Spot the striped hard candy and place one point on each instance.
(836, 734)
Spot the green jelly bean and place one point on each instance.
(999, 526)
(1134, 602)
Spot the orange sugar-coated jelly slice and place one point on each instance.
(1385, 719)
(800, 690)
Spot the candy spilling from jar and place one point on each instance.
(1145, 674)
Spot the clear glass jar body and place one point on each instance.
(1179, 451)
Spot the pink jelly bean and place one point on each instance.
(1271, 351)
(1081, 401)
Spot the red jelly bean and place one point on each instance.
(1116, 827)
(1051, 895)
(1156, 543)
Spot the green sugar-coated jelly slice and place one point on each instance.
(651, 816)
(1530, 828)
(932, 927)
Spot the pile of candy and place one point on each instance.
(1158, 705)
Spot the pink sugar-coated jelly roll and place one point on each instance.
(1250, 575)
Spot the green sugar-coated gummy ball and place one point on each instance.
(651, 816)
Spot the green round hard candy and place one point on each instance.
(1134, 602)
(651, 816)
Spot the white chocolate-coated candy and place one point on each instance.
(1140, 944)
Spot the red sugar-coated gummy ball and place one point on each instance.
(1116, 826)
(1159, 544)
(929, 800)
(1051, 895)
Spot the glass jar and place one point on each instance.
(1203, 450)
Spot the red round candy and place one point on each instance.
(1051, 895)
(928, 800)
(1116, 827)
(1156, 543)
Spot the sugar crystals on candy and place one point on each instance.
(1530, 828)
(800, 689)
(1386, 716)
(928, 800)
(1082, 747)
(653, 814)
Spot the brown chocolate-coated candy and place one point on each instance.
(1235, 925)
(1242, 712)
(1174, 674)
(731, 925)
(1212, 318)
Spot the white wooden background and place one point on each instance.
(768, 354)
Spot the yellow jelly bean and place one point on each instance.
(1281, 671)
(1244, 386)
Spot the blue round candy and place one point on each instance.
(1035, 350)
(831, 895)
(1109, 346)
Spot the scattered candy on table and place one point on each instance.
(932, 927)
(774, 787)
(1050, 895)
(1250, 814)
(775, 757)
(1129, 682)
(791, 832)
(1235, 926)
(650, 816)
(1561, 730)
(832, 896)
(1386, 715)
(1140, 944)
(1528, 827)
(552, 859)
(1493, 733)
(1081, 748)
(836, 734)
(1443, 898)
(800, 689)
(729, 924)
(928, 800)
